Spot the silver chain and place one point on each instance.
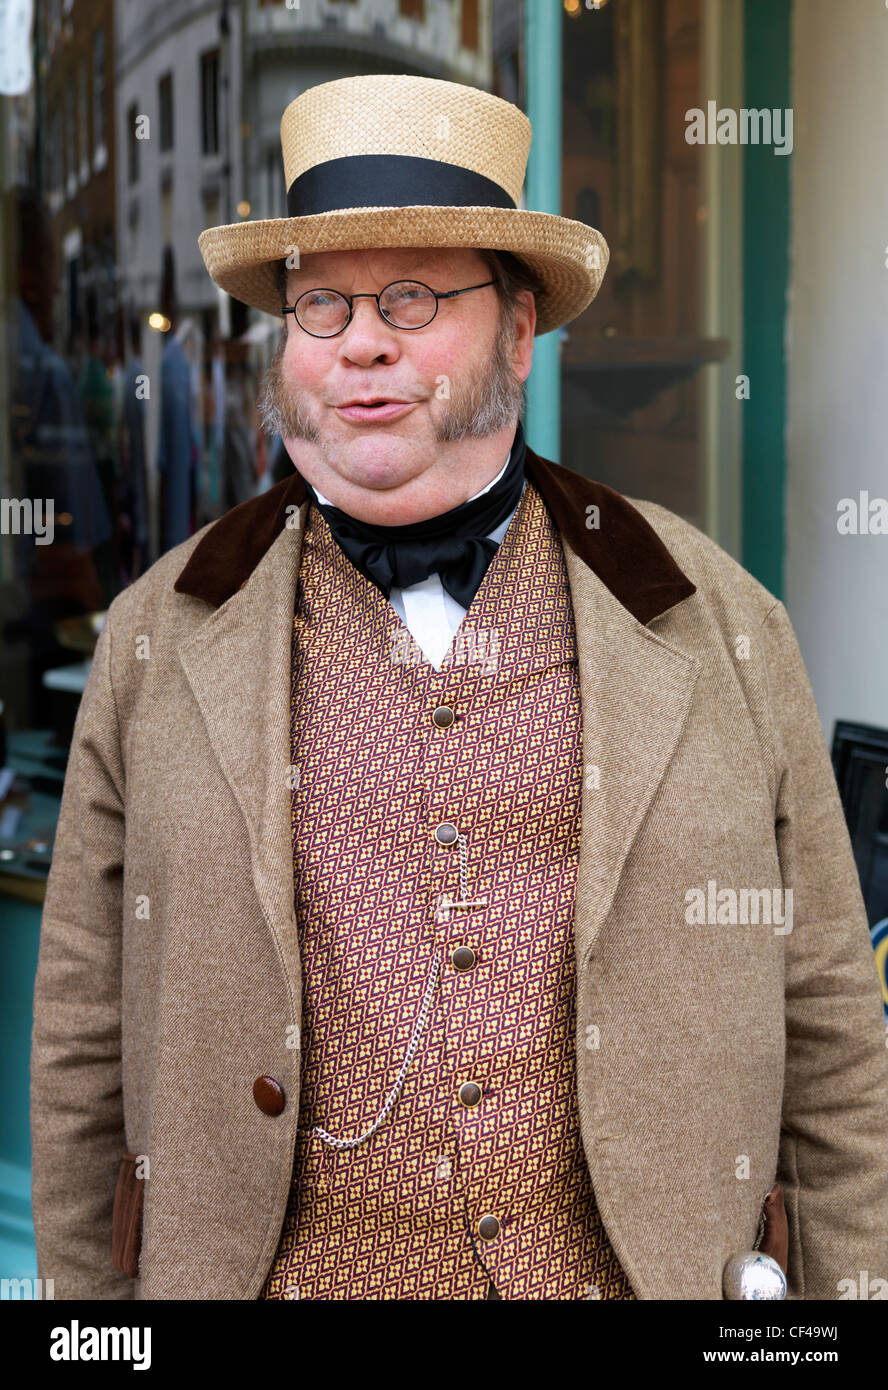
(437, 962)
(408, 1058)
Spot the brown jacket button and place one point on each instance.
(488, 1228)
(268, 1095)
(443, 716)
(470, 1093)
(463, 958)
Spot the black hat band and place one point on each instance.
(390, 180)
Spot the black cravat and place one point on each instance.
(454, 545)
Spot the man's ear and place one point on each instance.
(525, 325)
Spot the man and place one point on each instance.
(451, 897)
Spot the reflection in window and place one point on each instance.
(165, 109)
(56, 156)
(98, 90)
(83, 127)
(70, 138)
(470, 25)
(132, 170)
(209, 106)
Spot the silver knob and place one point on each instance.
(754, 1275)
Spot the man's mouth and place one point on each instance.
(375, 410)
(374, 400)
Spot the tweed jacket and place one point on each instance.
(725, 1041)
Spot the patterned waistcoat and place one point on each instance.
(475, 1184)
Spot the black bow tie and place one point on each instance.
(455, 545)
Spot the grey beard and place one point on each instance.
(492, 402)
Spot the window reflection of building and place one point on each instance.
(133, 142)
(209, 101)
(99, 97)
(165, 110)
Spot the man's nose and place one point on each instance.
(368, 303)
(367, 326)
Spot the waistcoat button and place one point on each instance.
(470, 1093)
(463, 958)
(268, 1095)
(446, 833)
(488, 1228)
(443, 716)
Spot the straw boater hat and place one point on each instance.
(389, 160)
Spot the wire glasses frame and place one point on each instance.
(350, 298)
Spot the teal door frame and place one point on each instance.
(542, 48)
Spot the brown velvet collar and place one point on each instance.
(625, 551)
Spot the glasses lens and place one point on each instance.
(408, 304)
(322, 312)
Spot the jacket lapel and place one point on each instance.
(635, 692)
(237, 663)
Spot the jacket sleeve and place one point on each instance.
(833, 1160)
(77, 1123)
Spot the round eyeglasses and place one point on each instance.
(406, 304)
